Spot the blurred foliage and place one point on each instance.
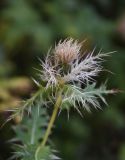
(28, 28)
(12, 90)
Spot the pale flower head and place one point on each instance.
(66, 69)
(79, 69)
(67, 51)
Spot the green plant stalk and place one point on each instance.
(50, 125)
(53, 117)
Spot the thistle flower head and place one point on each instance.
(67, 51)
(64, 70)
(79, 69)
(67, 66)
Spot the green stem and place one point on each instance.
(53, 117)
(50, 125)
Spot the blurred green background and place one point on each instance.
(28, 28)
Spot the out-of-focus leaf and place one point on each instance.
(12, 90)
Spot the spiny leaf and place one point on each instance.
(87, 97)
(28, 152)
(29, 132)
(33, 126)
(45, 153)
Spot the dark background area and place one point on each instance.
(28, 28)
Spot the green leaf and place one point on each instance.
(33, 126)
